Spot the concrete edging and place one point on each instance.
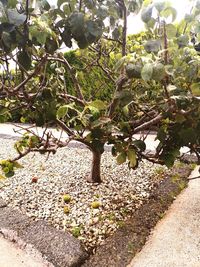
(53, 247)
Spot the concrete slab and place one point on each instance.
(9, 130)
(44, 243)
(175, 241)
(11, 256)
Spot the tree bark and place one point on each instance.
(95, 175)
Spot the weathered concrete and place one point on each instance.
(11, 256)
(3, 204)
(176, 239)
(47, 244)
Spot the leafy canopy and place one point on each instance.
(151, 79)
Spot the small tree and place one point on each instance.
(153, 78)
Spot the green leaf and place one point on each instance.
(94, 28)
(17, 165)
(2, 177)
(147, 72)
(151, 24)
(100, 122)
(100, 105)
(89, 4)
(9, 174)
(132, 157)
(125, 97)
(120, 63)
(171, 31)
(7, 40)
(60, 2)
(116, 34)
(12, 3)
(169, 160)
(43, 5)
(169, 11)
(62, 111)
(152, 46)
(188, 135)
(7, 27)
(133, 70)
(169, 69)
(161, 135)
(4, 2)
(140, 144)
(24, 59)
(15, 17)
(134, 6)
(146, 14)
(114, 152)
(180, 118)
(77, 23)
(189, 18)
(195, 87)
(160, 5)
(6, 170)
(51, 45)
(182, 40)
(158, 71)
(121, 158)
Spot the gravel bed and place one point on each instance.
(122, 191)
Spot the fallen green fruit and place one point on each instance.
(66, 198)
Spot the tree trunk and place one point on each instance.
(95, 175)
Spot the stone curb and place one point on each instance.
(53, 247)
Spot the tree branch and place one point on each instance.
(119, 87)
(64, 127)
(35, 72)
(146, 125)
(74, 98)
(71, 72)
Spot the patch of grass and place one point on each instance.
(131, 247)
(159, 173)
(124, 211)
(161, 215)
(76, 231)
(172, 196)
(175, 178)
(159, 170)
(111, 217)
(182, 185)
(193, 165)
(179, 164)
(120, 224)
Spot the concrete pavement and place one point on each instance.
(9, 129)
(11, 256)
(175, 241)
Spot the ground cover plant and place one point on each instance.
(152, 78)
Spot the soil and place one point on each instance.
(129, 239)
